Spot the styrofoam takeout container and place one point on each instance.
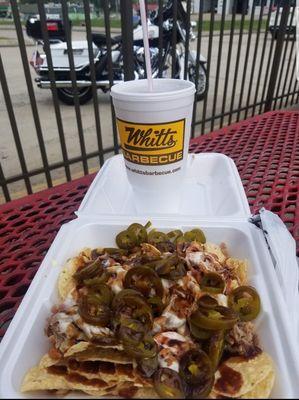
(212, 188)
(216, 202)
(25, 342)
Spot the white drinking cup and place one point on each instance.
(154, 129)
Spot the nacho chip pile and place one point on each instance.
(160, 316)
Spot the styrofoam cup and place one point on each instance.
(154, 129)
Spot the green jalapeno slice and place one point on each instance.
(114, 251)
(168, 384)
(195, 235)
(215, 319)
(196, 370)
(131, 331)
(155, 237)
(93, 310)
(125, 240)
(103, 292)
(170, 268)
(207, 301)
(212, 283)
(215, 348)
(199, 333)
(245, 300)
(89, 271)
(148, 366)
(144, 279)
(174, 235)
(97, 280)
(138, 232)
(132, 304)
(157, 305)
(146, 348)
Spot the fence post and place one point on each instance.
(278, 52)
(126, 13)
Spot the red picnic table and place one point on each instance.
(265, 149)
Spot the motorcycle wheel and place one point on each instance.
(66, 95)
(202, 87)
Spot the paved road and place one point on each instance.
(21, 103)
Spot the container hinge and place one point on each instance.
(257, 221)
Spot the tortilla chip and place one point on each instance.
(102, 354)
(86, 253)
(66, 283)
(248, 373)
(104, 370)
(147, 393)
(125, 388)
(239, 269)
(39, 378)
(47, 361)
(216, 250)
(262, 390)
(76, 348)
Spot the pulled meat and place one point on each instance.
(241, 340)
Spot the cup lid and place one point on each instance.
(163, 89)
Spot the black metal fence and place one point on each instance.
(250, 69)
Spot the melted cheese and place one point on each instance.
(172, 345)
(172, 320)
(116, 282)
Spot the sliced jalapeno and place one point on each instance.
(103, 292)
(97, 280)
(245, 300)
(121, 296)
(157, 305)
(115, 251)
(148, 366)
(89, 271)
(207, 301)
(174, 235)
(155, 237)
(131, 331)
(168, 384)
(212, 282)
(195, 235)
(170, 268)
(199, 333)
(144, 279)
(132, 304)
(125, 240)
(215, 348)
(138, 233)
(215, 319)
(146, 348)
(196, 370)
(93, 310)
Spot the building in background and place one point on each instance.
(242, 5)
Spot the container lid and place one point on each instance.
(212, 189)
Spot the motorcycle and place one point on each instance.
(58, 48)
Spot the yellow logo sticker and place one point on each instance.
(152, 144)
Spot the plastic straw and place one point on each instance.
(146, 45)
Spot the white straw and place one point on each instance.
(146, 45)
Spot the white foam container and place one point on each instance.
(212, 188)
(104, 212)
(25, 342)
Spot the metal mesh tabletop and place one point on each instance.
(265, 149)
